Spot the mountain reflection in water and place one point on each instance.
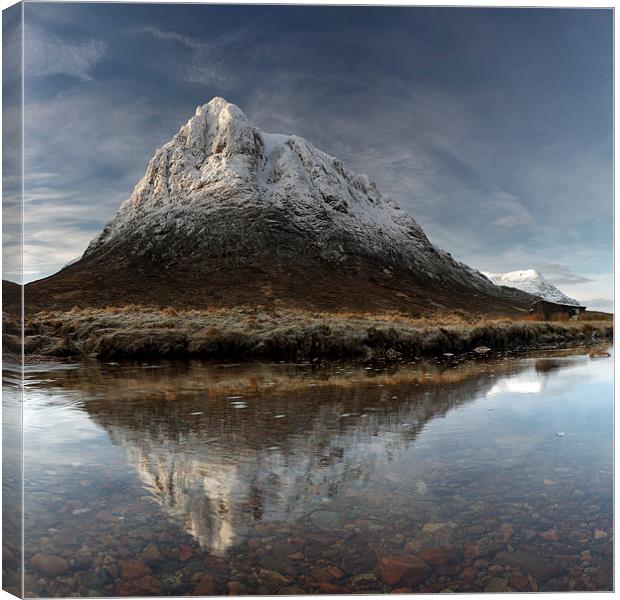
(222, 449)
(220, 465)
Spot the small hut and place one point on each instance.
(545, 310)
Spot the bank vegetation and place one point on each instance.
(256, 333)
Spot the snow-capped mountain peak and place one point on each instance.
(532, 282)
(219, 158)
(241, 216)
(218, 161)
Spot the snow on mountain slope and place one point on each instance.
(219, 164)
(533, 282)
(218, 158)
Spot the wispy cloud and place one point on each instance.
(162, 34)
(561, 274)
(75, 184)
(49, 248)
(602, 304)
(209, 62)
(47, 54)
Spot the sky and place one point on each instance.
(491, 127)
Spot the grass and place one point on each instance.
(246, 333)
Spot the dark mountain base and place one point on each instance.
(11, 298)
(359, 288)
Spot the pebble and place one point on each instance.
(551, 535)
(326, 519)
(49, 564)
(437, 557)
(408, 570)
(133, 569)
(496, 584)
(599, 534)
(205, 587)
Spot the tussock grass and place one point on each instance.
(244, 333)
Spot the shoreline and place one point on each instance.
(247, 334)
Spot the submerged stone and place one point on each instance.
(496, 584)
(408, 570)
(49, 564)
(533, 565)
(326, 519)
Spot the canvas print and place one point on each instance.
(306, 299)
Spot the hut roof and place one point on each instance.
(543, 301)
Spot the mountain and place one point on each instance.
(226, 214)
(532, 282)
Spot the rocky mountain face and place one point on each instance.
(227, 214)
(532, 282)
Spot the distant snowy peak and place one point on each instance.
(533, 282)
(219, 159)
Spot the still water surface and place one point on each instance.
(196, 478)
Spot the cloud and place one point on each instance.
(47, 54)
(12, 51)
(515, 214)
(419, 145)
(209, 61)
(601, 304)
(77, 175)
(162, 34)
(560, 274)
(49, 248)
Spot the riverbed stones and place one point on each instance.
(470, 549)
(505, 532)
(519, 582)
(144, 586)
(537, 567)
(421, 488)
(205, 587)
(236, 588)
(276, 562)
(326, 519)
(273, 577)
(551, 535)
(185, 552)
(406, 570)
(320, 575)
(358, 558)
(133, 569)
(335, 572)
(458, 523)
(363, 579)
(599, 534)
(105, 517)
(437, 557)
(49, 564)
(435, 527)
(496, 584)
(82, 559)
(151, 555)
(468, 574)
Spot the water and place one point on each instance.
(196, 478)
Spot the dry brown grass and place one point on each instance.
(288, 334)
